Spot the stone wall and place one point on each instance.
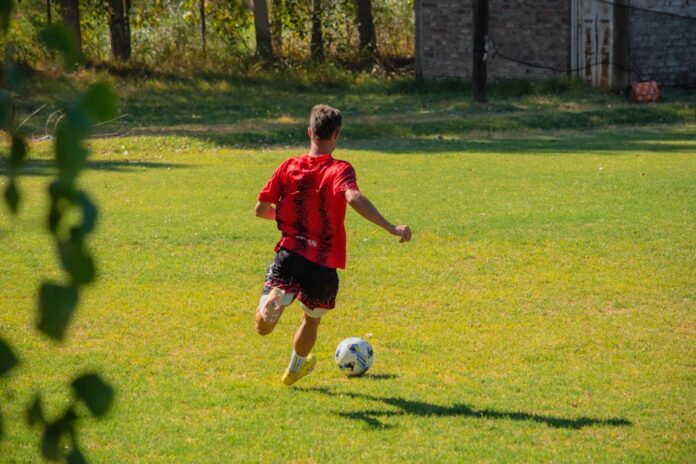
(662, 47)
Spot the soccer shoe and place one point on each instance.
(291, 377)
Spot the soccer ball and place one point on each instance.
(354, 356)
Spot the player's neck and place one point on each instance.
(318, 149)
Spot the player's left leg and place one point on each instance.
(302, 361)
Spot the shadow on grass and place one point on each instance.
(46, 167)
(371, 417)
(437, 141)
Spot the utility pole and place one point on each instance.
(479, 73)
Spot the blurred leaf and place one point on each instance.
(60, 192)
(76, 457)
(6, 7)
(96, 394)
(6, 110)
(75, 259)
(57, 38)
(50, 443)
(35, 412)
(89, 213)
(100, 102)
(12, 195)
(56, 305)
(18, 153)
(71, 154)
(8, 360)
(10, 71)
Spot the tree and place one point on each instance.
(366, 26)
(70, 14)
(264, 46)
(479, 71)
(203, 25)
(119, 27)
(317, 44)
(277, 12)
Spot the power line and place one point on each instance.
(648, 10)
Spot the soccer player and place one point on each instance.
(307, 197)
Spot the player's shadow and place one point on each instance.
(371, 417)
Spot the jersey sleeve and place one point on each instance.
(345, 179)
(270, 193)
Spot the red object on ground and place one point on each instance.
(643, 92)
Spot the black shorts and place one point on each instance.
(314, 285)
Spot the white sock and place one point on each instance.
(296, 362)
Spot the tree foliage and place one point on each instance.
(162, 31)
(71, 219)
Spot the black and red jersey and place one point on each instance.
(308, 192)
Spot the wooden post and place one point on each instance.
(479, 71)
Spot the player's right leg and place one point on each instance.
(270, 308)
(279, 290)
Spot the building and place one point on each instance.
(606, 42)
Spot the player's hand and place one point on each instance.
(404, 232)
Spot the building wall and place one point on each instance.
(658, 46)
(662, 47)
(536, 32)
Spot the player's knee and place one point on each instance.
(311, 320)
(263, 329)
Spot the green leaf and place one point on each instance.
(60, 193)
(6, 110)
(89, 213)
(50, 442)
(56, 306)
(12, 195)
(96, 394)
(75, 259)
(76, 457)
(71, 154)
(100, 102)
(57, 38)
(6, 7)
(35, 412)
(18, 153)
(8, 360)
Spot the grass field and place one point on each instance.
(545, 310)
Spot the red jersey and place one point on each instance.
(308, 192)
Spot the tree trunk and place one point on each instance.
(317, 45)
(366, 27)
(202, 10)
(119, 26)
(264, 46)
(479, 71)
(70, 14)
(277, 8)
(49, 20)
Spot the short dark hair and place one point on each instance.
(324, 121)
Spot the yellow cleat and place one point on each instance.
(291, 377)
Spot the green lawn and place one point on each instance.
(545, 310)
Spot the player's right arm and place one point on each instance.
(366, 209)
(265, 210)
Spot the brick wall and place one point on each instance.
(662, 47)
(536, 32)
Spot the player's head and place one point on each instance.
(324, 124)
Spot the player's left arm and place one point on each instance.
(265, 210)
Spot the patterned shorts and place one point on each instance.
(315, 286)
